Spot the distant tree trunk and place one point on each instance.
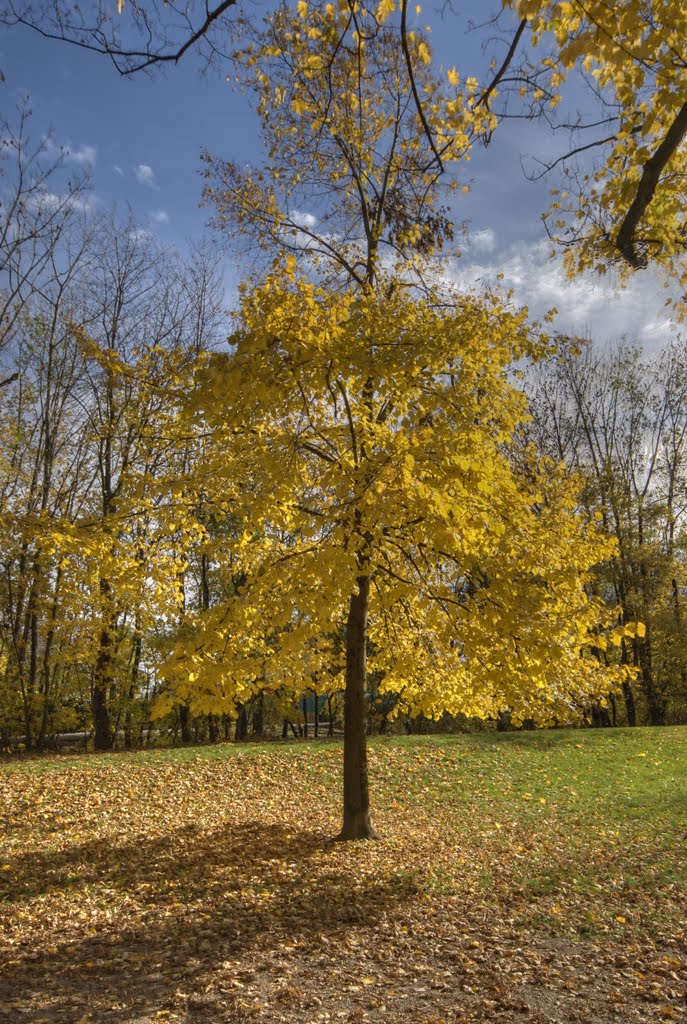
(316, 716)
(628, 693)
(241, 731)
(47, 675)
(185, 723)
(600, 716)
(259, 715)
(213, 729)
(285, 729)
(330, 730)
(137, 654)
(503, 723)
(654, 701)
(630, 710)
(103, 672)
(356, 794)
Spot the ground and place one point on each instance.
(533, 877)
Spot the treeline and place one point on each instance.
(618, 418)
(111, 526)
(91, 573)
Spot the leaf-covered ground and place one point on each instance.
(534, 877)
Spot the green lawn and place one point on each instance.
(519, 876)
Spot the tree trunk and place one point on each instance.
(259, 715)
(103, 672)
(629, 698)
(137, 654)
(213, 729)
(356, 795)
(654, 700)
(628, 693)
(185, 723)
(503, 723)
(241, 730)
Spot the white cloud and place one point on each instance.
(484, 240)
(145, 175)
(139, 235)
(303, 220)
(160, 216)
(80, 155)
(118, 170)
(48, 201)
(587, 305)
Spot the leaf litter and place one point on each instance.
(204, 888)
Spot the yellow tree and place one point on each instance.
(370, 418)
(369, 450)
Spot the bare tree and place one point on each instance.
(38, 208)
(619, 418)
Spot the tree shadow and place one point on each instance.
(200, 902)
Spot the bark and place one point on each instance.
(629, 698)
(102, 675)
(654, 700)
(213, 729)
(356, 794)
(626, 239)
(259, 715)
(185, 722)
(241, 731)
(628, 693)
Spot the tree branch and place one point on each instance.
(127, 62)
(625, 240)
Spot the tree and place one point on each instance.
(619, 418)
(368, 450)
(88, 563)
(382, 497)
(37, 217)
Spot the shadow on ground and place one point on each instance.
(200, 903)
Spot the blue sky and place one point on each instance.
(141, 137)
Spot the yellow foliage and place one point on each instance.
(378, 435)
(635, 208)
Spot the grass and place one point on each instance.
(217, 858)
